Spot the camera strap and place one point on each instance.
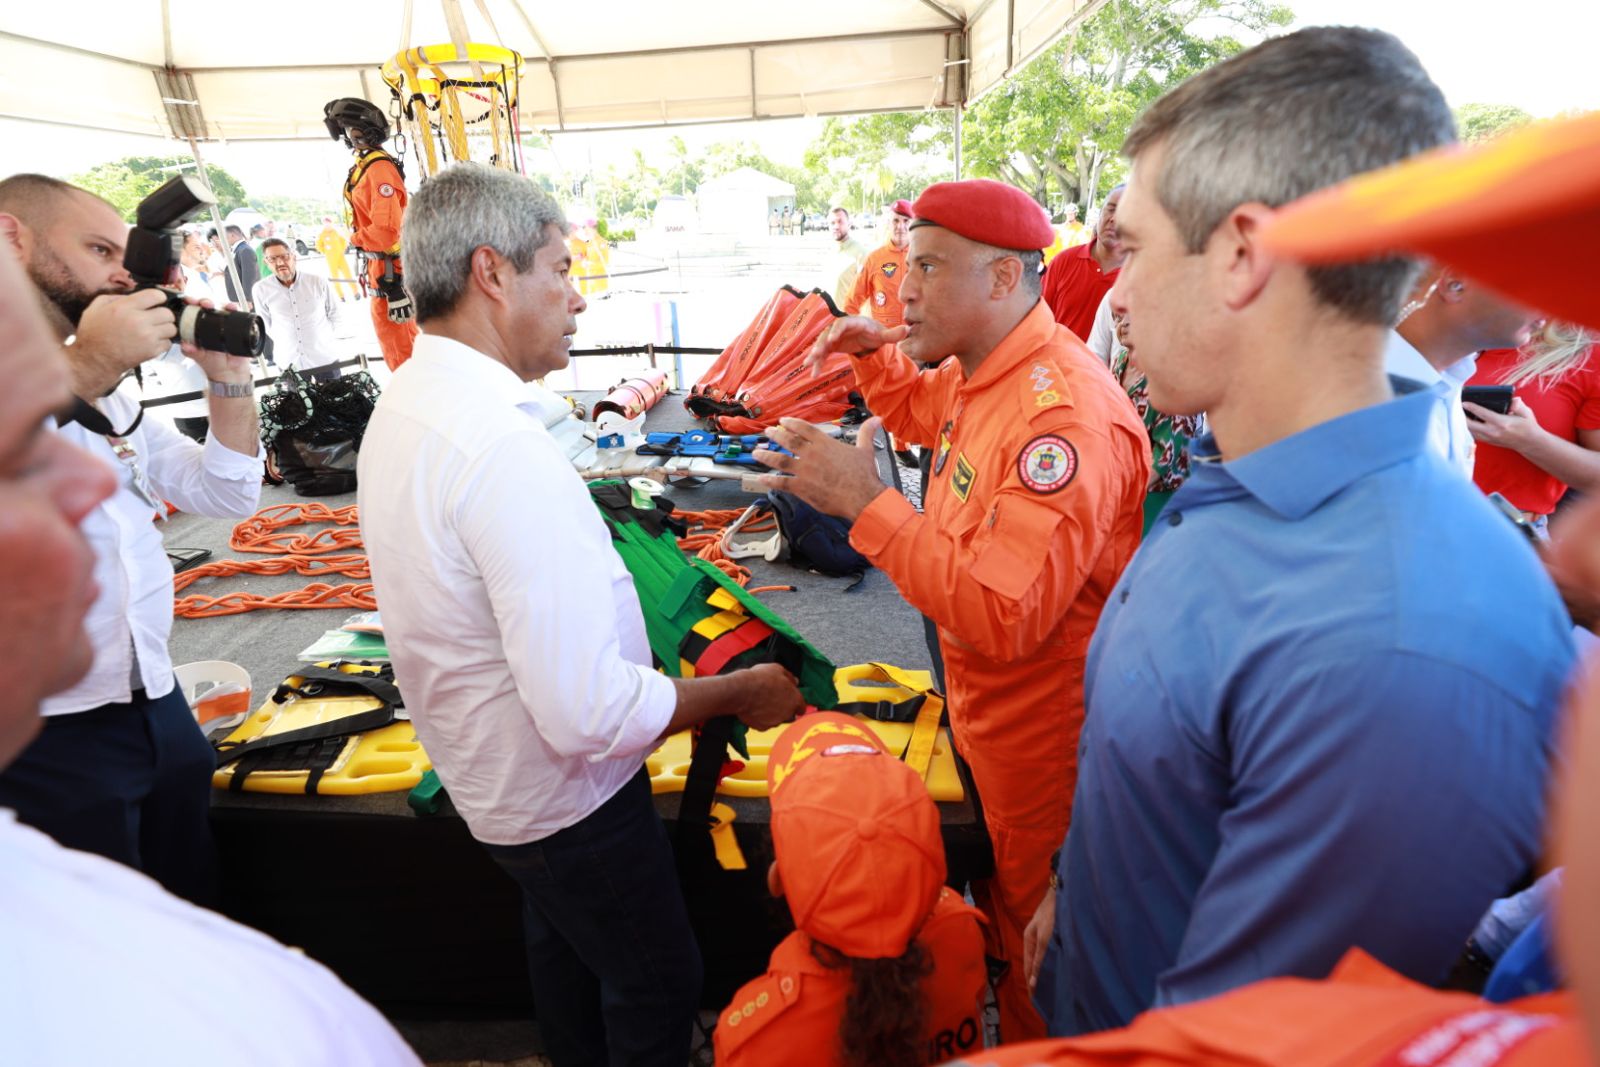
(94, 420)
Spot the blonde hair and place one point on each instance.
(1556, 349)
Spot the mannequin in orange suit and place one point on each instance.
(375, 193)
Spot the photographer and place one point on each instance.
(121, 768)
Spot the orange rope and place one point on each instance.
(264, 532)
(704, 540)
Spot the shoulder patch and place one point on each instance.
(385, 189)
(755, 1005)
(1047, 463)
(1044, 387)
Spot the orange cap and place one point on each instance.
(856, 837)
(1521, 214)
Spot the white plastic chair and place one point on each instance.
(218, 693)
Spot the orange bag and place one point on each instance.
(762, 377)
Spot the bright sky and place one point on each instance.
(1536, 54)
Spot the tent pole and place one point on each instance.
(959, 110)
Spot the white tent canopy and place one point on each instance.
(220, 70)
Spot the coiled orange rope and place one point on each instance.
(267, 531)
(704, 540)
(310, 555)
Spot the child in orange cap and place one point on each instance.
(886, 966)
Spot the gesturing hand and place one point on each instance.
(855, 335)
(831, 476)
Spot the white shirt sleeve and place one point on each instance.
(210, 479)
(1102, 339)
(547, 565)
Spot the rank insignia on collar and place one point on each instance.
(961, 480)
(1047, 463)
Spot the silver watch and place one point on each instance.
(232, 389)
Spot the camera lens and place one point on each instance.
(237, 333)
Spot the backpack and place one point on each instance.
(816, 541)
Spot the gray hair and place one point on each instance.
(465, 207)
(1032, 281)
(1288, 117)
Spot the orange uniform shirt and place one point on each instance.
(1363, 1015)
(1034, 506)
(791, 1014)
(877, 289)
(377, 201)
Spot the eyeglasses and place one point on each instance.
(280, 260)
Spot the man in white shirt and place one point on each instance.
(516, 632)
(839, 273)
(166, 979)
(121, 768)
(1436, 346)
(299, 310)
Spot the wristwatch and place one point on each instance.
(232, 389)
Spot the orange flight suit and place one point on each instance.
(791, 1014)
(877, 289)
(376, 194)
(331, 243)
(1034, 505)
(1363, 1015)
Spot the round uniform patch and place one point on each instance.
(880, 299)
(385, 189)
(1047, 463)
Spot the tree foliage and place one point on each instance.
(863, 163)
(1480, 122)
(125, 182)
(1056, 127)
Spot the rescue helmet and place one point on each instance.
(352, 113)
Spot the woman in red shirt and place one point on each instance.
(1551, 438)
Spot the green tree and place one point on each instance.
(1480, 122)
(1056, 127)
(125, 182)
(862, 163)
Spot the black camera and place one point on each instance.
(155, 248)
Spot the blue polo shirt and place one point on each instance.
(1320, 707)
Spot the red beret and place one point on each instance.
(902, 208)
(986, 211)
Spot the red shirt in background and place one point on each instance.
(1570, 405)
(1074, 285)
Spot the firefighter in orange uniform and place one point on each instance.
(1362, 1015)
(886, 963)
(1033, 508)
(877, 288)
(375, 192)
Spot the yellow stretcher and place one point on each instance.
(865, 690)
(382, 760)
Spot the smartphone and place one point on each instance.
(1510, 511)
(1497, 398)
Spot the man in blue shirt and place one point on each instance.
(1320, 697)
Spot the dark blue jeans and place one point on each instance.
(131, 782)
(615, 968)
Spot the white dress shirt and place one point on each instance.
(163, 981)
(1102, 339)
(514, 627)
(132, 615)
(299, 319)
(1449, 436)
